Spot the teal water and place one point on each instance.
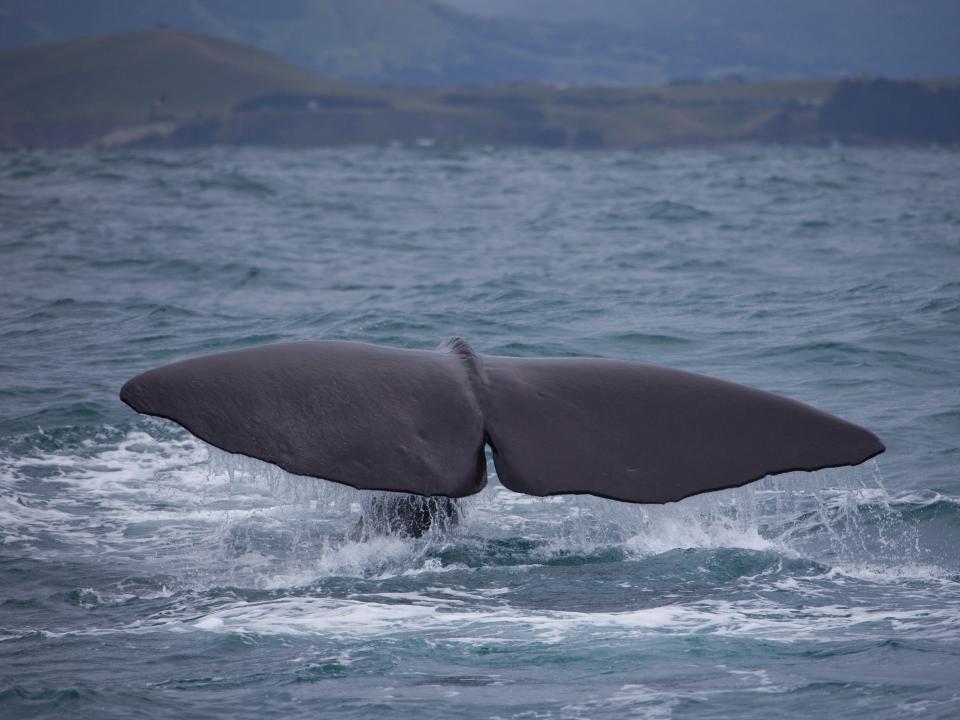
(144, 575)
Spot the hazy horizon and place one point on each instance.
(426, 42)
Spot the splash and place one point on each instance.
(224, 519)
(844, 518)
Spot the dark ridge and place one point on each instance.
(894, 110)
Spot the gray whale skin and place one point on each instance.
(418, 421)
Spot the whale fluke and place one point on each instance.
(417, 421)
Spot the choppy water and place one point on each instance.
(140, 577)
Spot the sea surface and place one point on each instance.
(143, 574)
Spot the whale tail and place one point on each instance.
(418, 421)
(405, 515)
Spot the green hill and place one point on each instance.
(171, 88)
(395, 42)
(138, 75)
(174, 88)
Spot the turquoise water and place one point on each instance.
(144, 575)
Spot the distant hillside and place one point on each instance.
(396, 42)
(571, 42)
(173, 88)
(891, 111)
(756, 38)
(169, 88)
(136, 73)
(104, 82)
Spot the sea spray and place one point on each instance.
(841, 517)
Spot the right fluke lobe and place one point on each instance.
(649, 434)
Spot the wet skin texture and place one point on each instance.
(405, 516)
(417, 422)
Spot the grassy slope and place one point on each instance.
(78, 91)
(633, 117)
(122, 75)
(397, 42)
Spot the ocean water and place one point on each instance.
(143, 574)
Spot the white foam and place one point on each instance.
(642, 702)
(684, 529)
(448, 620)
(235, 520)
